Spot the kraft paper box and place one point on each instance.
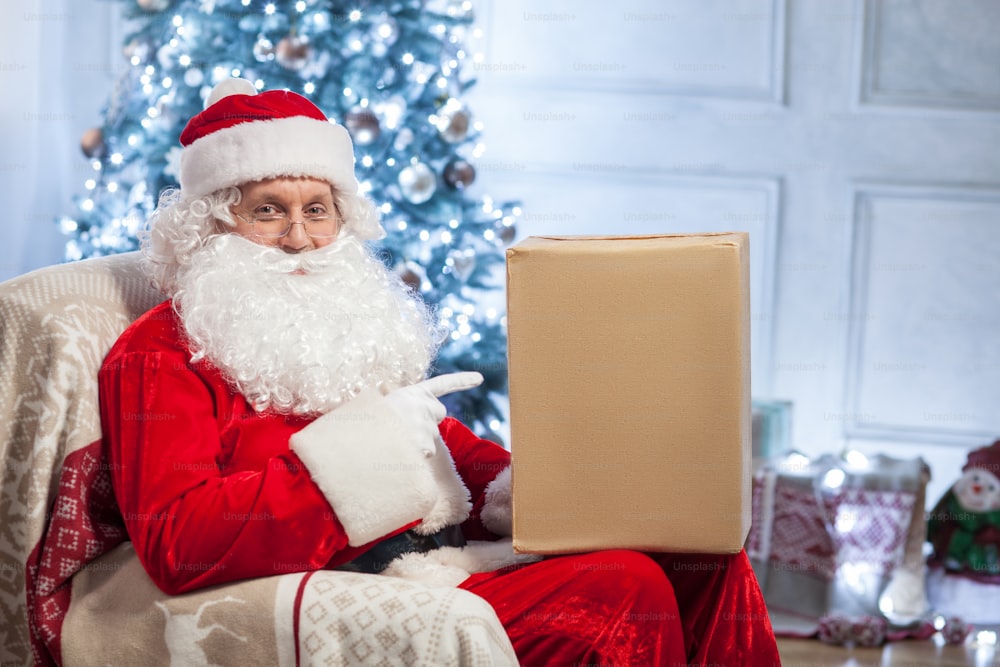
(629, 362)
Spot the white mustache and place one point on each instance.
(271, 259)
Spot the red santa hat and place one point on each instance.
(985, 458)
(243, 136)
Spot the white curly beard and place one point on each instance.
(302, 333)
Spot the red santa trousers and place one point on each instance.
(626, 608)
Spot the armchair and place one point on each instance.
(71, 588)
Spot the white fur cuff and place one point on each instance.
(497, 512)
(363, 459)
(453, 501)
(450, 566)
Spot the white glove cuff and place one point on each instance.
(363, 458)
(497, 512)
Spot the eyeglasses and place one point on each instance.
(277, 225)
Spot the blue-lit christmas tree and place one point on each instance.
(393, 73)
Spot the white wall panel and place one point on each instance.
(932, 53)
(925, 364)
(642, 46)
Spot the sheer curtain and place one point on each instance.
(58, 63)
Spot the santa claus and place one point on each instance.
(273, 415)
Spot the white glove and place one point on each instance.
(419, 408)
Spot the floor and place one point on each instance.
(913, 653)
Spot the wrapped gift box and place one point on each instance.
(840, 536)
(629, 361)
(771, 432)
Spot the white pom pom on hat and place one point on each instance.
(231, 86)
(243, 136)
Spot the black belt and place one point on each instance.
(379, 556)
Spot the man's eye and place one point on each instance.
(315, 210)
(266, 210)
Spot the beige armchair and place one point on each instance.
(71, 589)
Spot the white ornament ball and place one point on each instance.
(153, 5)
(194, 77)
(417, 182)
(263, 50)
(453, 123)
(463, 262)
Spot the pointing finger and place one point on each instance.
(443, 385)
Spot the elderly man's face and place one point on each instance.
(294, 214)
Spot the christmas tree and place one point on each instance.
(393, 73)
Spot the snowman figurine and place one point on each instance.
(964, 527)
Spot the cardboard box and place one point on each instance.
(629, 362)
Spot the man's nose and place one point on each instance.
(296, 240)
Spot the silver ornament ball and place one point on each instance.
(363, 125)
(453, 123)
(293, 52)
(417, 182)
(153, 5)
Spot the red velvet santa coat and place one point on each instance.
(212, 491)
